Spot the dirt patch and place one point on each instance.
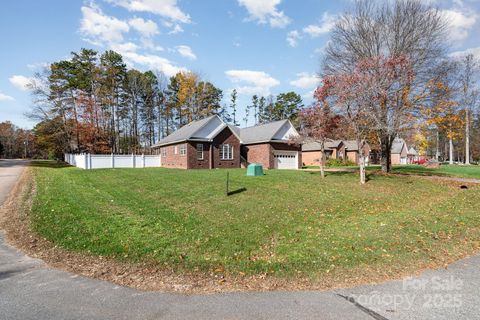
(14, 218)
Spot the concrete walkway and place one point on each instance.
(31, 290)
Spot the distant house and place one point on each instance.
(211, 143)
(334, 149)
(399, 152)
(351, 151)
(412, 155)
(311, 151)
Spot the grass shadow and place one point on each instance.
(331, 173)
(231, 193)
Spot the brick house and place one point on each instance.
(211, 143)
(399, 152)
(352, 151)
(311, 151)
(334, 149)
(269, 144)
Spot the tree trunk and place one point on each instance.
(385, 149)
(322, 162)
(363, 178)
(467, 136)
(361, 162)
(450, 158)
(437, 151)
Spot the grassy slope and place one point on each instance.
(472, 171)
(286, 221)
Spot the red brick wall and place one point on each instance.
(172, 160)
(226, 137)
(311, 158)
(193, 161)
(190, 160)
(260, 153)
(263, 153)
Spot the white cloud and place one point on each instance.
(124, 47)
(325, 26)
(461, 21)
(305, 80)
(474, 51)
(252, 82)
(152, 62)
(147, 28)
(164, 8)
(293, 37)
(265, 11)
(99, 28)
(21, 82)
(176, 29)
(4, 97)
(186, 51)
(38, 65)
(108, 31)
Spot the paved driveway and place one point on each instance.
(31, 290)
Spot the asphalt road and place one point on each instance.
(31, 290)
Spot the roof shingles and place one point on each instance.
(186, 132)
(261, 133)
(250, 135)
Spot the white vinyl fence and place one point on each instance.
(101, 161)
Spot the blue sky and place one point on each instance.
(257, 46)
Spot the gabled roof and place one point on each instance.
(397, 145)
(262, 133)
(191, 131)
(412, 152)
(315, 146)
(235, 130)
(333, 144)
(351, 145)
(205, 130)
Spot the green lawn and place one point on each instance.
(472, 171)
(286, 222)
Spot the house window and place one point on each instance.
(164, 152)
(200, 151)
(175, 150)
(226, 152)
(183, 149)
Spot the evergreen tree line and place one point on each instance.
(93, 103)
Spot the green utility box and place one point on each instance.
(254, 170)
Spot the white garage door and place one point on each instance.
(285, 159)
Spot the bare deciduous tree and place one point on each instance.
(403, 28)
(468, 96)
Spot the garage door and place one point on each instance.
(285, 159)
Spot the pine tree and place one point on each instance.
(233, 106)
(255, 109)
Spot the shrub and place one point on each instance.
(339, 163)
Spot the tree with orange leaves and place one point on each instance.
(444, 113)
